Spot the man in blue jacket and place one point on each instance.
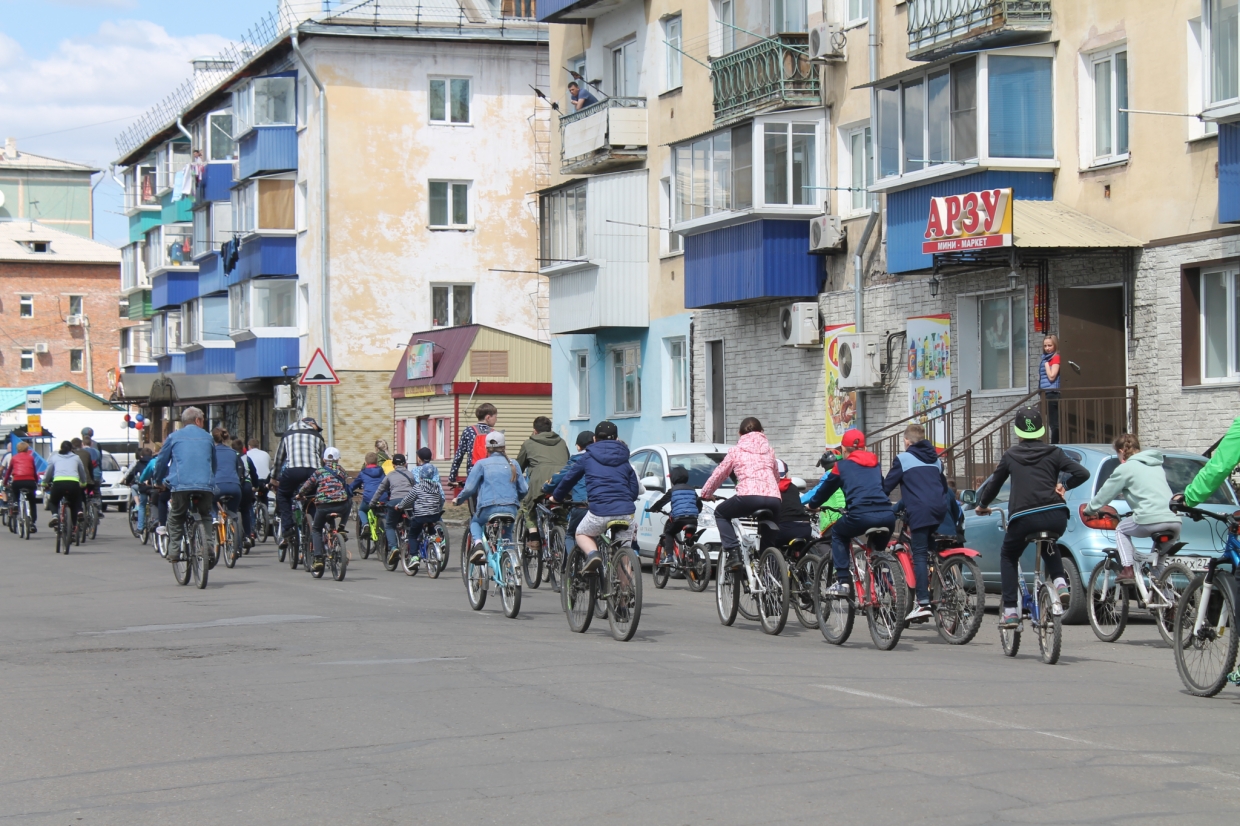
(187, 463)
(612, 489)
(918, 472)
(578, 497)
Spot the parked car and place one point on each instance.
(1083, 548)
(112, 491)
(653, 466)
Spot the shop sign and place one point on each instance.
(34, 412)
(972, 221)
(418, 392)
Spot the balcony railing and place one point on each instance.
(940, 27)
(773, 74)
(608, 134)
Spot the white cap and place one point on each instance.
(331, 454)
(495, 439)
(782, 467)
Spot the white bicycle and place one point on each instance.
(761, 593)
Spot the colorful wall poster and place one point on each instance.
(929, 367)
(841, 404)
(420, 363)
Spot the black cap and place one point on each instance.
(584, 439)
(679, 475)
(606, 430)
(424, 453)
(1028, 423)
(398, 459)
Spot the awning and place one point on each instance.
(181, 388)
(1049, 224)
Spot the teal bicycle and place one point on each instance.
(501, 567)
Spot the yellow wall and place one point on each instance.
(70, 398)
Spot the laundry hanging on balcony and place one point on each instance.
(230, 252)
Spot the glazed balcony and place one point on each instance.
(937, 28)
(607, 135)
(775, 73)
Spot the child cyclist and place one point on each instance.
(686, 505)
(498, 484)
(330, 490)
(918, 473)
(611, 487)
(1035, 504)
(367, 480)
(757, 485)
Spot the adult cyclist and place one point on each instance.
(1224, 456)
(95, 471)
(187, 465)
(21, 473)
(296, 460)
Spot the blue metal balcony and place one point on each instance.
(750, 262)
(208, 361)
(1229, 173)
(265, 255)
(265, 357)
(216, 183)
(211, 275)
(172, 289)
(574, 11)
(171, 363)
(267, 149)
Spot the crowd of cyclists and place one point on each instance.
(595, 492)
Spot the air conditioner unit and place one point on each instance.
(857, 355)
(827, 42)
(798, 325)
(283, 397)
(826, 233)
(75, 320)
(41, 349)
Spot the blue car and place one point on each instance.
(1083, 548)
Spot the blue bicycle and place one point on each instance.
(1045, 612)
(430, 553)
(502, 567)
(1205, 639)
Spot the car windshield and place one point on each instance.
(1180, 471)
(700, 467)
(109, 463)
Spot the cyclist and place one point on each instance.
(686, 507)
(385, 461)
(261, 460)
(858, 476)
(1142, 482)
(472, 448)
(148, 489)
(498, 485)
(757, 484)
(249, 484)
(424, 502)
(330, 489)
(1224, 456)
(96, 466)
(367, 479)
(65, 478)
(611, 488)
(21, 474)
(830, 511)
(229, 471)
(1035, 504)
(918, 472)
(793, 518)
(130, 481)
(88, 462)
(187, 464)
(295, 461)
(394, 487)
(577, 495)
(539, 457)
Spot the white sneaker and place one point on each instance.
(839, 589)
(919, 611)
(162, 530)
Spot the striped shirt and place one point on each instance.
(302, 446)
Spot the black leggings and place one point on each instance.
(738, 507)
(1014, 544)
(70, 492)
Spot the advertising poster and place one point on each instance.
(841, 404)
(420, 364)
(929, 368)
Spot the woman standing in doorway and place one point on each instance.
(1048, 383)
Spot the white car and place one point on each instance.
(112, 491)
(653, 465)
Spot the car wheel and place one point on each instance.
(1076, 612)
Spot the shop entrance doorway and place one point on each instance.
(1094, 408)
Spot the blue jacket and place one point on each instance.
(579, 490)
(684, 499)
(187, 460)
(226, 475)
(368, 479)
(491, 479)
(953, 522)
(918, 472)
(861, 480)
(611, 484)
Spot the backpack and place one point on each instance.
(425, 498)
(480, 444)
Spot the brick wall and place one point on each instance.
(51, 284)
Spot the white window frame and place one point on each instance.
(801, 24)
(613, 402)
(861, 17)
(229, 150)
(847, 178)
(447, 120)
(670, 242)
(451, 288)
(815, 194)
(622, 49)
(1207, 70)
(580, 400)
(1197, 128)
(1088, 101)
(212, 227)
(81, 358)
(673, 42)
(81, 302)
(1231, 275)
(245, 207)
(723, 35)
(451, 192)
(23, 302)
(670, 345)
(27, 358)
(243, 311)
(243, 104)
(556, 245)
(969, 340)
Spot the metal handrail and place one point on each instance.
(603, 105)
(935, 22)
(774, 70)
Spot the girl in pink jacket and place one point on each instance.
(757, 484)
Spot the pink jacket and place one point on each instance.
(753, 462)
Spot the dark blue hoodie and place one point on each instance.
(918, 472)
(862, 482)
(611, 484)
(368, 479)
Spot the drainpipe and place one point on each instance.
(323, 269)
(185, 131)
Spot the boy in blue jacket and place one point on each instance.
(578, 497)
(611, 486)
(918, 472)
(686, 505)
(368, 479)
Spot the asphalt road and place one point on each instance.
(274, 698)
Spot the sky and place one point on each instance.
(75, 73)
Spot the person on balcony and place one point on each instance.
(581, 98)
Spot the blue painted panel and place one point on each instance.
(268, 149)
(562, 11)
(211, 275)
(142, 368)
(172, 289)
(216, 182)
(140, 223)
(171, 363)
(907, 210)
(265, 255)
(265, 357)
(210, 361)
(1229, 173)
(750, 262)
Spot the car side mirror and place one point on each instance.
(969, 498)
(652, 483)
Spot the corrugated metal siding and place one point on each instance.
(171, 289)
(216, 182)
(907, 210)
(516, 415)
(176, 212)
(560, 11)
(1229, 172)
(750, 261)
(211, 275)
(141, 222)
(528, 360)
(268, 149)
(172, 363)
(265, 357)
(265, 255)
(210, 361)
(140, 305)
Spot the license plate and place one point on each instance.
(1193, 563)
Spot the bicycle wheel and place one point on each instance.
(510, 591)
(364, 540)
(232, 547)
(94, 520)
(1009, 638)
(727, 592)
(200, 554)
(553, 566)
(337, 558)
(131, 516)
(293, 552)
(410, 563)
(181, 569)
(392, 556)
(697, 569)
(1205, 658)
(773, 599)
(958, 597)
(476, 581)
(625, 600)
(262, 523)
(1049, 627)
(61, 533)
(659, 567)
(801, 590)
(1171, 583)
(887, 606)
(466, 549)
(531, 565)
(835, 614)
(1106, 602)
(23, 517)
(578, 593)
(435, 550)
(445, 547)
(281, 552)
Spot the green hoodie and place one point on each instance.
(1223, 461)
(541, 456)
(1142, 482)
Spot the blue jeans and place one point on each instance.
(850, 525)
(921, 561)
(142, 503)
(478, 524)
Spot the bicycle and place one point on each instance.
(23, 517)
(66, 529)
(1158, 585)
(765, 576)
(552, 522)
(131, 513)
(531, 558)
(193, 559)
(693, 564)
(299, 537)
(90, 525)
(431, 553)
(617, 585)
(954, 579)
(227, 529)
(1205, 641)
(371, 537)
(262, 517)
(335, 555)
(1041, 605)
(803, 562)
(878, 586)
(500, 567)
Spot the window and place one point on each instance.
(1220, 345)
(133, 267)
(672, 242)
(1222, 70)
(562, 222)
(207, 320)
(166, 333)
(860, 167)
(452, 301)
(75, 305)
(1108, 86)
(220, 143)
(1001, 320)
(929, 120)
(1196, 76)
(169, 245)
(26, 306)
(789, 164)
(788, 16)
(715, 174)
(1021, 107)
(725, 12)
(626, 387)
(27, 361)
(75, 361)
(124, 306)
(671, 36)
(212, 227)
(581, 380)
(624, 68)
(265, 101)
(173, 157)
(676, 388)
(274, 302)
(265, 204)
(142, 185)
(449, 204)
(135, 344)
(449, 100)
(856, 12)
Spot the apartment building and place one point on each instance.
(340, 179)
(53, 192)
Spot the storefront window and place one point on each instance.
(1003, 342)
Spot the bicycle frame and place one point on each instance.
(751, 542)
(1024, 597)
(495, 546)
(1229, 556)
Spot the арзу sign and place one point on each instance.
(972, 221)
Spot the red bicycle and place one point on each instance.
(957, 593)
(687, 558)
(878, 586)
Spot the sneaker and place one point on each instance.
(920, 611)
(317, 564)
(479, 555)
(734, 560)
(162, 530)
(594, 561)
(1061, 590)
(839, 589)
(1010, 618)
(34, 528)
(53, 523)
(1127, 576)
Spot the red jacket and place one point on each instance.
(22, 468)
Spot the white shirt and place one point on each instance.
(261, 460)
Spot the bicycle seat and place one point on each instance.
(798, 544)
(616, 524)
(1042, 536)
(502, 520)
(765, 518)
(226, 499)
(877, 537)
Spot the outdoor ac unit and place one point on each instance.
(74, 320)
(826, 42)
(283, 397)
(41, 348)
(798, 325)
(857, 355)
(826, 233)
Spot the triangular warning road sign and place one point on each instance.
(318, 371)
